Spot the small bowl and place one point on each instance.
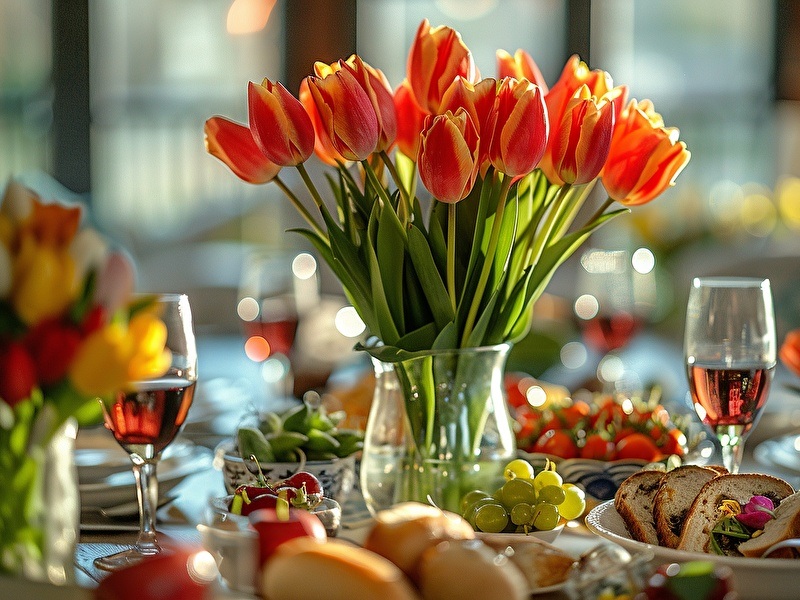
(337, 476)
(234, 544)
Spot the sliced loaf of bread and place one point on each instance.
(634, 503)
(674, 498)
(703, 515)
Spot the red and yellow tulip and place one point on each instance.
(520, 66)
(410, 118)
(644, 158)
(234, 145)
(448, 155)
(520, 131)
(279, 124)
(436, 58)
(581, 140)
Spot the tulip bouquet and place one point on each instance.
(70, 332)
(508, 164)
(790, 353)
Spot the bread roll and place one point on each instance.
(541, 563)
(306, 569)
(403, 532)
(469, 569)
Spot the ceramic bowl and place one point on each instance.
(337, 476)
(234, 544)
(600, 479)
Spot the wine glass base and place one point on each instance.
(125, 558)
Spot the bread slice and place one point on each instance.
(703, 515)
(634, 503)
(674, 498)
(543, 564)
(785, 525)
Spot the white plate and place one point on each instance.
(512, 538)
(755, 577)
(98, 455)
(782, 452)
(119, 488)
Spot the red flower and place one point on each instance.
(53, 344)
(346, 114)
(410, 118)
(17, 373)
(582, 139)
(279, 124)
(234, 145)
(448, 156)
(520, 66)
(437, 56)
(520, 131)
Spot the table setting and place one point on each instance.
(138, 468)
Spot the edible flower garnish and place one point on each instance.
(757, 512)
(737, 524)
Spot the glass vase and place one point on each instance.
(438, 427)
(39, 505)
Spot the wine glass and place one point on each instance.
(276, 290)
(147, 416)
(730, 350)
(615, 292)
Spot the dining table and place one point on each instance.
(190, 498)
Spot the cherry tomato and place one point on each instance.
(313, 485)
(674, 442)
(597, 447)
(623, 433)
(515, 389)
(558, 443)
(637, 445)
(573, 414)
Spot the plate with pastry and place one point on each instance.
(695, 513)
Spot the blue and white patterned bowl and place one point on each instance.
(600, 479)
(337, 476)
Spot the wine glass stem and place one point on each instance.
(147, 495)
(732, 442)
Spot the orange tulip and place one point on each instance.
(410, 118)
(790, 351)
(448, 155)
(520, 66)
(279, 125)
(323, 147)
(520, 127)
(346, 114)
(582, 139)
(476, 98)
(645, 157)
(234, 145)
(574, 76)
(437, 56)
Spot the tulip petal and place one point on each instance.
(279, 124)
(234, 145)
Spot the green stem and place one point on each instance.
(373, 179)
(405, 206)
(603, 207)
(541, 241)
(488, 262)
(451, 253)
(300, 208)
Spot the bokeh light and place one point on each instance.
(348, 323)
(257, 348)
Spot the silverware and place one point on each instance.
(790, 543)
(124, 510)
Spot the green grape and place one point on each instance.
(518, 468)
(545, 478)
(470, 512)
(522, 513)
(574, 502)
(471, 498)
(552, 494)
(491, 518)
(545, 516)
(515, 491)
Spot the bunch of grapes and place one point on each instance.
(527, 501)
